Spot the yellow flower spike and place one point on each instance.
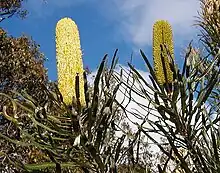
(162, 34)
(69, 60)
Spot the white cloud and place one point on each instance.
(135, 18)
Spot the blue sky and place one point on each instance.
(106, 25)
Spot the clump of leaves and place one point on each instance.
(8, 8)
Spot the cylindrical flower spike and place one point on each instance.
(69, 60)
(162, 35)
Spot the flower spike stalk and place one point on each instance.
(162, 35)
(69, 60)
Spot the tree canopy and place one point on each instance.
(22, 65)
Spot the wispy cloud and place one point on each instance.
(135, 18)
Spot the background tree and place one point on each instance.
(22, 66)
(22, 70)
(8, 8)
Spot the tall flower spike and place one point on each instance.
(162, 35)
(69, 60)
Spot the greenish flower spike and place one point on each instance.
(162, 35)
(69, 60)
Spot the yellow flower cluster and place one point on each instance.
(69, 60)
(162, 34)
